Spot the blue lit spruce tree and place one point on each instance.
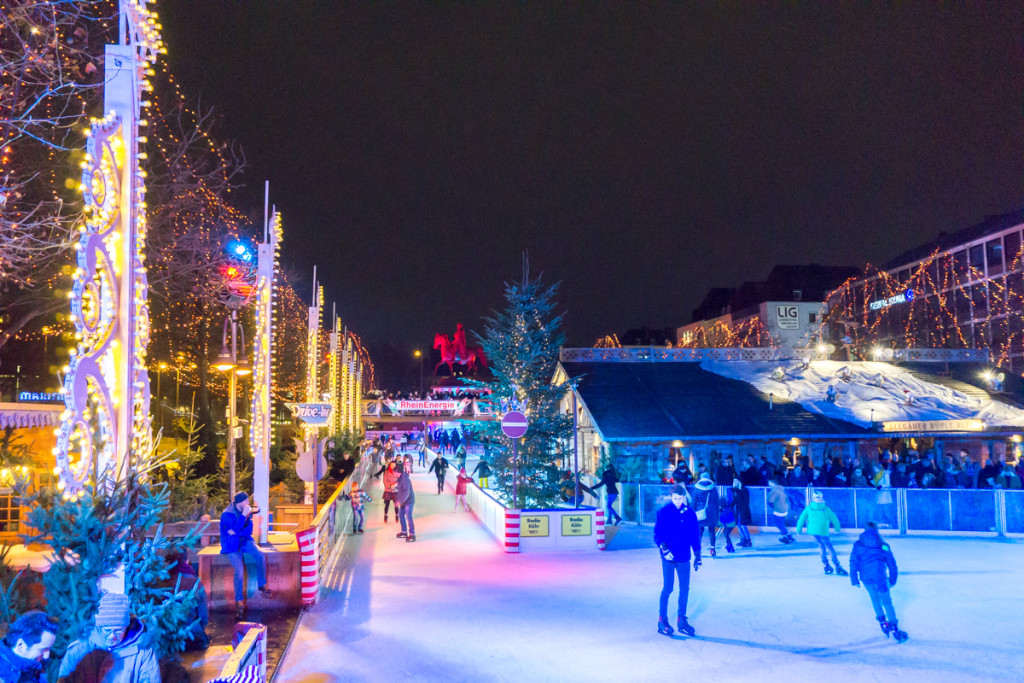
(522, 343)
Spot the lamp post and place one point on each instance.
(419, 355)
(159, 408)
(229, 360)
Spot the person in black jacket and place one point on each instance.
(872, 563)
(439, 467)
(609, 479)
(705, 505)
(676, 535)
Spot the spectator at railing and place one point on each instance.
(749, 476)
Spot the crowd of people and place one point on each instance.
(903, 470)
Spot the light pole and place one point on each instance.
(229, 360)
(161, 366)
(419, 355)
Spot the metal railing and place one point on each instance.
(995, 511)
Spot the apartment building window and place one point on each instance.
(1011, 249)
(976, 255)
(994, 256)
(10, 513)
(960, 265)
(979, 297)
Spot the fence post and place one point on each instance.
(640, 504)
(1000, 512)
(901, 510)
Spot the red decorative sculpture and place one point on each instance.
(455, 351)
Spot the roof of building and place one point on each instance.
(669, 401)
(947, 241)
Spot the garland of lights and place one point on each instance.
(106, 390)
(263, 343)
(336, 419)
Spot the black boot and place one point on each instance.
(900, 636)
(684, 626)
(663, 627)
(828, 567)
(885, 625)
(840, 571)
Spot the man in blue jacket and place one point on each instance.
(676, 534)
(25, 649)
(236, 542)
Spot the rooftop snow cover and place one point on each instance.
(892, 392)
(680, 400)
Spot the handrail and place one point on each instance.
(253, 646)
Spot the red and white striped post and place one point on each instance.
(511, 531)
(599, 525)
(309, 580)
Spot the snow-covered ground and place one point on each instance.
(864, 390)
(453, 607)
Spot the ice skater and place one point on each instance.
(741, 496)
(872, 563)
(676, 534)
(359, 500)
(439, 467)
(461, 485)
(705, 504)
(817, 518)
(609, 480)
(405, 498)
(780, 509)
(421, 451)
(390, 482)
(485, 472)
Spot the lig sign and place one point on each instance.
(901, 298)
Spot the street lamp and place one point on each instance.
(159, 408)
(234, 362)
(419, 354)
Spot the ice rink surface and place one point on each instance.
(454, 607)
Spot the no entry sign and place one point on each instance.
(514, 424)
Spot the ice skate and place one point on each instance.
(385, 518)
(664, 629)
(411, 538)
(401, 534)
(713, 552)
(746, 543)
(828, 568)
(684, 627)
(885, 625)
(900, 636)
(840, 571)
(730, 549)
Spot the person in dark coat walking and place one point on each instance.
(609, 480)
(439, 467)
(26, 647)
(406, 498)
(705, 505)
(676, 534)
(873, 564)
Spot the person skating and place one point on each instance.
(677, 535)
(609, 480)
(439, 467)
(461, 486)
(359, 500)
(705, 504)
(421, 453)
(390, 482)
(727, 517)
(406, 498)
(873, 564)
(742, 508)
(26, 648)
(817, 518)
(485, 472)
(780, 509)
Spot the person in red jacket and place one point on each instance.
(460, 489)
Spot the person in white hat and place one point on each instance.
(817, 518)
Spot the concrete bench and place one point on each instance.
(282, 576)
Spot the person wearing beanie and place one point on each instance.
(705, 504)
(359, 499)
(873, 563)
(26, 647)
(405, 497)
(116, 651)
(676, 534)
(236, 542)
(817, 518)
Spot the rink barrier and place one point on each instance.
(249, 649)
(520, 531)
(909, 510)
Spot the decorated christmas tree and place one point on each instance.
(522, 342)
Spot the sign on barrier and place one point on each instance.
(533, 525)
(576, 525)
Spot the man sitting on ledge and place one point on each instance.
(236, 542)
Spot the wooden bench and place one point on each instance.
(282, 575)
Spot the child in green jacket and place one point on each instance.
(817, 518)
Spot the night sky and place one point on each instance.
(641, 152)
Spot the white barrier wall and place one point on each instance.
(538, 530)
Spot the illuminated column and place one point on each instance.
(106, 423)
(263, 369)
(310, 432)
(336, 417)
